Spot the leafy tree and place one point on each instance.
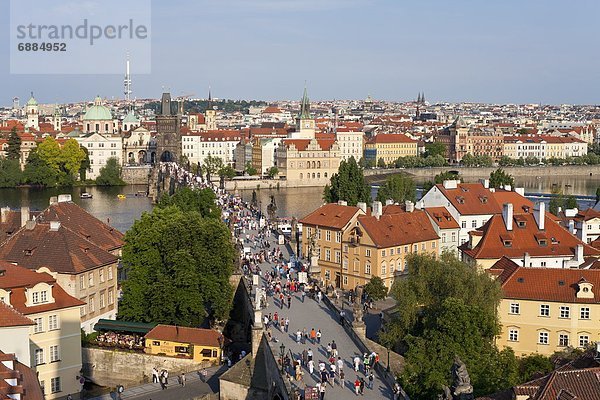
(13, 152)
(468, 160)
(531, 160)
(250, 170)
(71, 157)
(397, 187)
(381, 163)
(375, 289)
(38, 171)
(445, 308)
(348, 184)
(85, 164)
(501, 178)
(440, 178)
(181, 281)
(211, 165)
(110, 173)
(203, 201)
(597, 194)
(505, 161)
(49, 151)
(272, 172)
(571, 202)
(534, 366)
(435, 149)
(10, 172)
(227, 172)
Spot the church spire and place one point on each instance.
(209, 99)
(305, 106)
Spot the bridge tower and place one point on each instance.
(168, 131)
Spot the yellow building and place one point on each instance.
(201, 345)
(353, 246)
(545, 310)
(55, 336)
(308, 162)
(390, 147)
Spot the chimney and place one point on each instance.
(539, 213)
(342, 203)
(420, 205)
(526, 260)
(53, 200)
(582, 232)
(579, 254)
(507, 215)
(362, 206)
(571, 227)
(4, 213)
(571, 212)
(377, 209)
(389, 202)
(485, 183)
(409, 206)
(24, 215)
(451, 184)
(54, 226)
(29, 225)
(507, 188)
(63, 198)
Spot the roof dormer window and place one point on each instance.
(521, 224)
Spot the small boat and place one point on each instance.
(121, 196)
(85, 195)
(141, 193)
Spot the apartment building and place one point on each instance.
(197, 146)
(308, 162)
(100, 147)
(543, 146)
(389, 147)
(350, 142)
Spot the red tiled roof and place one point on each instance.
(181, 334)
(11, 317)
(524, 240)
(442, 218)
(391, 138)
(475, 199)
(302, 144)
(581, 384)
(331, 215)
(398, 229)
(28, 386)
(272, 110)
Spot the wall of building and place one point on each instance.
(15, 339)
(102, 366)
(136, 175)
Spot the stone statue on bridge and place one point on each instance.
(461, 385)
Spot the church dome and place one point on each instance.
(32, 101)
(97, 112)
(130, 118)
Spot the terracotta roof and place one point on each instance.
(442, 218)
(331, 215)
(391, 138)
(18, 279)
(11, 317)
(85, 224)
(475, 199)
(398, 229)
(302, 144)
(61, 250)
(181, 334)
(272, 110)
(581, 384)
(524, 240)
(27, 384)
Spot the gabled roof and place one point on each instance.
(181, 334)
(398, 228)
(391, 138)
(302, 144)
(559, 242)
(331, 215)
(442, 217)
(10, 317)
(580, 384)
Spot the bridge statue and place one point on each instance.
(461, 385)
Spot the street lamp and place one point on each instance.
(388, 362)
(281, 354)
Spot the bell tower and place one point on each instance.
(210, 115)
(168, 132)
(32, 111)
(305, 123)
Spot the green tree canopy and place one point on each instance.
(381, 163)
(273, 171)
(376, 289)
(85, 164)
(500, 177)
(440, 178)
(397, 187)
(180, 281)
(71, 157)
(10, 173)
(38, 171)
(227, 171)
(110, 173)
(250, 170)
(348, 184)
(435, 149)
(447, 308)
(203, 201)
(212, 165)
(13, 152)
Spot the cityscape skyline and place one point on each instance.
(267, 50)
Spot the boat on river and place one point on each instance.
(121, 196)
(85, 195)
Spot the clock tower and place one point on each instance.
(305, 123)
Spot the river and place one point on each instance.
(290, 202)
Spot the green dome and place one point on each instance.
(32, 101)
(97, 112)
(130, 118)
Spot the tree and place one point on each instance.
(227, 172)
(500, 178)
(445, 308)
(178, 282)
(250, 170)
(85, 164)
(375, 289)
(571, 202)
(348, 184)
(505, 161)
(211, 165)
(435, 149)
(397, 187)
(49, 151)
(203, 201)
(468, 160)
(110, 173)
(597, 194)
(71, 157)
(38, 171)
(381, 163)
(534, 366)
(272, 172)
(10, 173)
(440, 178)
(13, 152)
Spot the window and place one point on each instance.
(318, 234)
(102, 300)
(327, 275)
(514, 308)
(474, 224)
(423, 246)
(368, 269)
(563, 340)
(39, 325)
(543, 264)
(54, 353)
(565, 312)
(43, 386)
(406, 249)
(543, 338)
(91, 279)
(328, 236)
(338, 257)
(345, 280)
(399, 250)
(356, 265)
(345, 248)
(464, 224)
(544, 310)
(327, 255)
(383, 269)
(443, 238)
(110, 273)
(101, 275)
(39, 356)
(91, 307)
(513, 335)
(55, 384)
(111, 298)
(454, 236)
(583, 340)
(43, 296)
(338, 237)
(345, 264)
(368, 252)
(82, 282)
(584, 313)
(415, 248)
(52, 322)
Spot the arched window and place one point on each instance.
(301, 176)
(318, 175)
(383, 268)
(308, 165)
(318, 164)
(313, 175)
(325, 174)
(97, 127)
(105, 127)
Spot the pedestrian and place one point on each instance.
(304, 357)
(311, 366)
(371, 377)
(154, 375)
(319, 334)
(163, 386)
(340, 364)
(319, 297)
(183, 379)
(329, 350)
(309, 354)
(298, 336)
(334, 348)
(342, 380)
(322, 390)
(289, 299)
(304, 335)
(362, 386)
(357, 386)
(69, 397)
(203, 374)
(303, 294)
(313, 335)
(342, 317)
(356, 363)
(287, 324)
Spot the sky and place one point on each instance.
(507, 51)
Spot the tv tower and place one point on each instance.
(127, 81)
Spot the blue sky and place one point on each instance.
(489, 51)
